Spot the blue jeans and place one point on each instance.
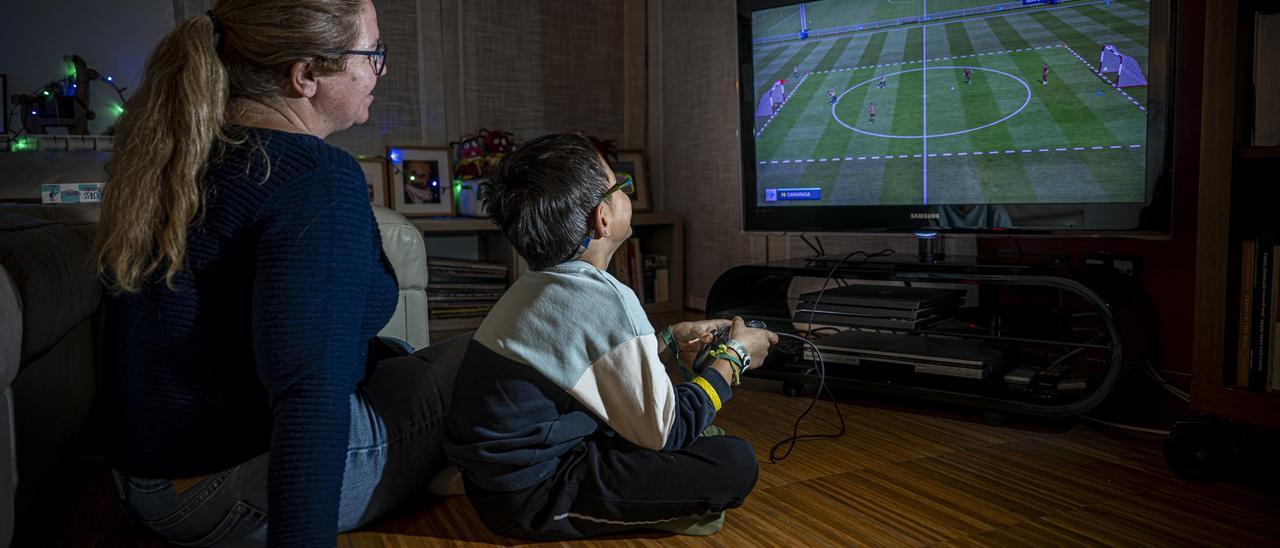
(397, 426)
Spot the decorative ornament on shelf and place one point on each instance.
(468, 153)
(476, 156)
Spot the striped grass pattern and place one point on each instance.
(1097, 131)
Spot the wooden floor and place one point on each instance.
(899, 477)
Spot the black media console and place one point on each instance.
(1015, 336)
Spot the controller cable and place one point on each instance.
(774, 455)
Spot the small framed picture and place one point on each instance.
(420, 180)
(632, 161)
(375, 175)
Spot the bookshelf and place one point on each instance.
(1234, 196)
(658, 233)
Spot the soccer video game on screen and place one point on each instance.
(903, 102)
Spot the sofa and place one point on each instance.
(50, 320)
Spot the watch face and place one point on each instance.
(742, 352)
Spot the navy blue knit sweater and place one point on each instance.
(265, 336)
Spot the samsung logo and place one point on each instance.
(926, 216)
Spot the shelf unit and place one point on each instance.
(1227, 215)
(659, 233)
(1028, 336)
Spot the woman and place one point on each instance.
(248, 283)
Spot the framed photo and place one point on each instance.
(420, 181)
(375, 175)
(632, 161)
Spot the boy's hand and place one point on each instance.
(692, 335)
(756, 340)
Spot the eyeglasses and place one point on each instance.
(377, 57)
(627, 184)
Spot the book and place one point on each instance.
(454, 324)
(1247, 252)
(1266, 80)
(1273, 382)
(650, 265)
(1260, 330)
(662, 285)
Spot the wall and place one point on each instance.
(455, 66)
(113, 36)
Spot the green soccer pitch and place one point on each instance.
(1003, 138)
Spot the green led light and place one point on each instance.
(119, 109)
(413, 178)
(46, 93)
(23, 143)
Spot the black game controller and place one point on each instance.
(719, 336)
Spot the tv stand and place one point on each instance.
(1060, 346)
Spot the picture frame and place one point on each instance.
(420, 181)
(375, 176)
(632, 161)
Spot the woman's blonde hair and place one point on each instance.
(178, 119)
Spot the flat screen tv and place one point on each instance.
(1036, 116)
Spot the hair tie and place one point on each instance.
(217, 28)
(217, 32)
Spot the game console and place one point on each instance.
(956, 358)
(892, 307)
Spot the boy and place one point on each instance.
(1044, 75)
(831, 95)
(968, 76)
(871, 112)
(883, 81)
(564, 420)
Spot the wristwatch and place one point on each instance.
(738, 347)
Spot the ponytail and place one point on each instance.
(163, 141)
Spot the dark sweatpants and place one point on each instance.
(608, 485)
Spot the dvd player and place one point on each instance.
(961, 358)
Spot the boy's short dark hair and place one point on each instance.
(541, 194)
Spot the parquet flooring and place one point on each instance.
(898, 477)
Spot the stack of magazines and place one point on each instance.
(460, 294)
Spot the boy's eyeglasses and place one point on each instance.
(377, 57)
(627, 184)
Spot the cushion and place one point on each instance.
(49, 267)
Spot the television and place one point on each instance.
(972, 116)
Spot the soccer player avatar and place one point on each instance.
(871, 112)
(883, 82)
(1044, 75)
(968, 76)
(831, 94)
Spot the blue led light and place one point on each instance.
(927, 234)
(395, 156)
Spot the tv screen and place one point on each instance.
(966, 115)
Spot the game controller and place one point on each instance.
(719, 336)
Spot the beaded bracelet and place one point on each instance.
(724, 353)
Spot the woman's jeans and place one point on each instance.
(397, 427)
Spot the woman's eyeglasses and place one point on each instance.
(377, 57)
